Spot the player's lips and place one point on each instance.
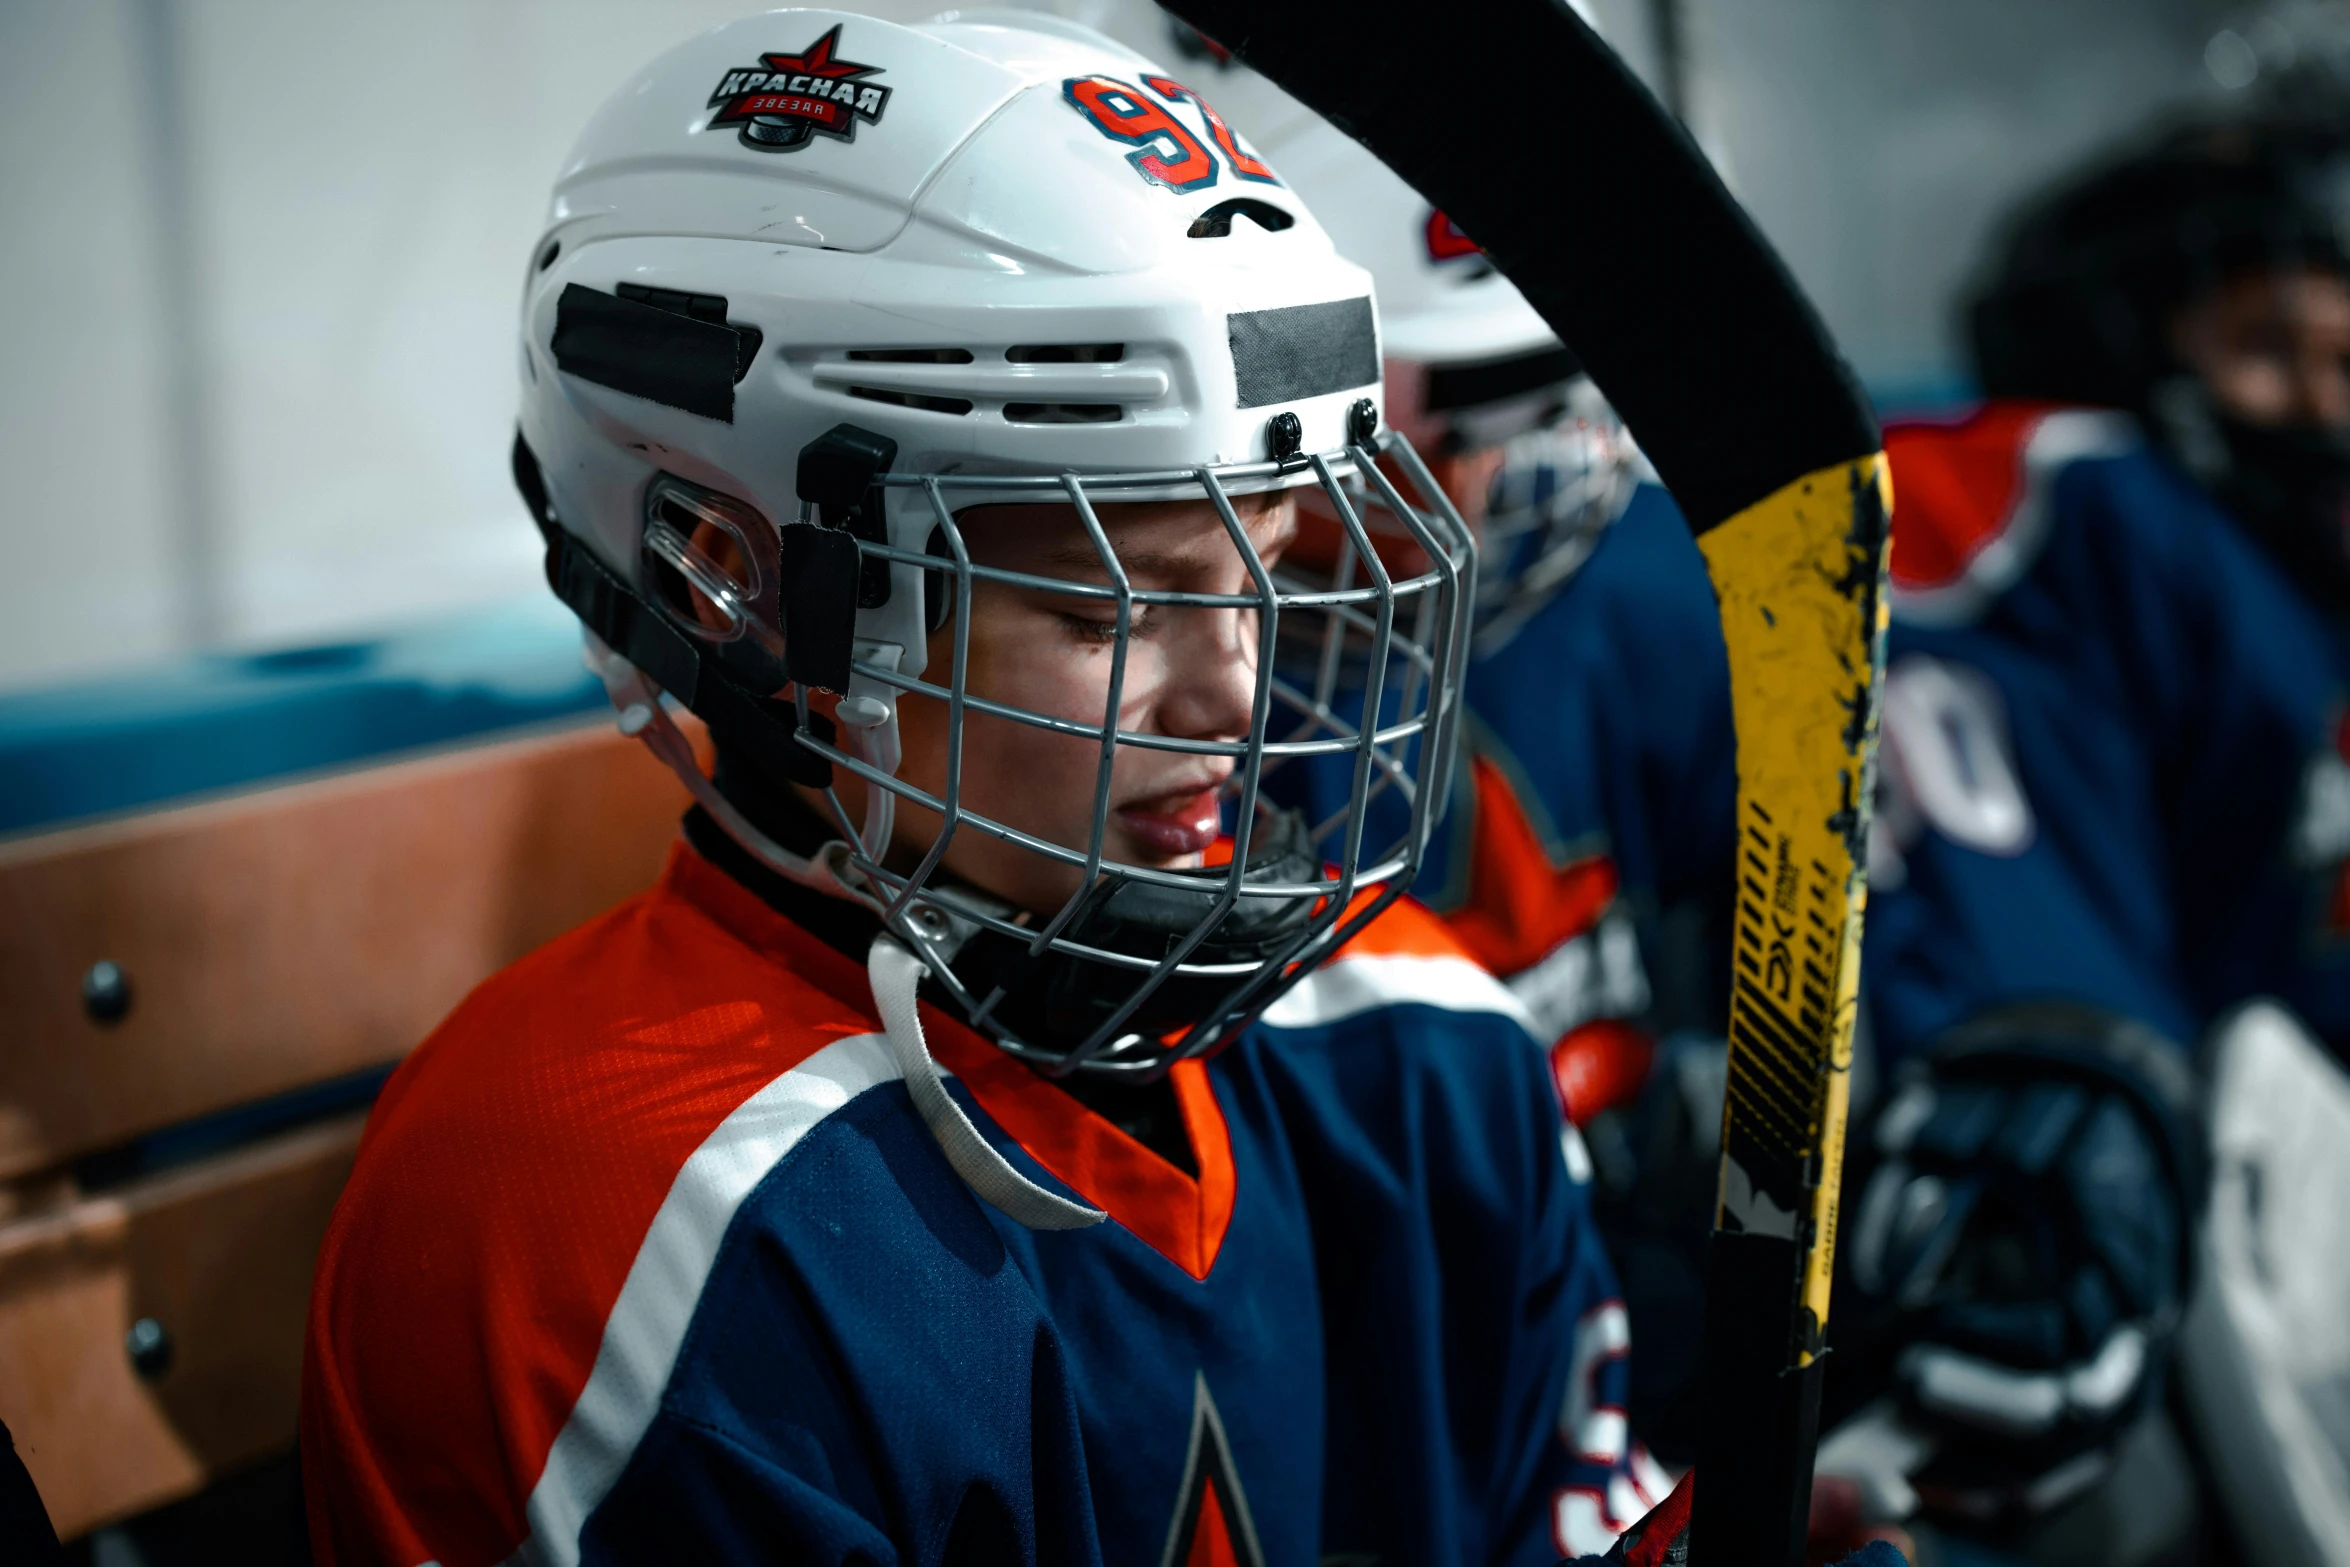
(1182, 821)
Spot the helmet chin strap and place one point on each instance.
(894, 973)
(869, 717)
(636, 702)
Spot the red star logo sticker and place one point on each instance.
(787, 97)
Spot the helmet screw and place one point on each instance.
(1362, 422)
(1284, 436)
(863, 712)
(106, 992)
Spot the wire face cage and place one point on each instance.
(996, 837)
(1556, 492)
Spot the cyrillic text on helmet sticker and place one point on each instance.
(787, 98)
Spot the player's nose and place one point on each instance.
(1211, 680)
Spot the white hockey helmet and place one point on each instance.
(824, 284)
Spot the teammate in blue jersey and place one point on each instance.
(998, 1136)
(2114, 806)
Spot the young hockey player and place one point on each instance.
(958, 1155)
(2113, 810)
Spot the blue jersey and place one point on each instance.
(1609, 715)
(2112, 766)
(1597, 788)
(648, 1256)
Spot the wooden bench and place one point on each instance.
(272, 941)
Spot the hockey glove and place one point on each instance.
(2020, 1253)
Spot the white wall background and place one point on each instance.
(1878, 141)
(259, 258)
(259, 261)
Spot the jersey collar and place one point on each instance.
(1180, 1217)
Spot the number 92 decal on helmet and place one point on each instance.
(1168, 153)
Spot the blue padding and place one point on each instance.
(234, 1127)
(227, 721)
(1927, 395)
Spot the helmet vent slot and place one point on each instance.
(1216, 222)
(1066, 353)
(1063, 413)
(936, 405)
(911, 356)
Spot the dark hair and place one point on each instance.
(2075, 303)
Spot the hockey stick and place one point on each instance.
(1691, 325)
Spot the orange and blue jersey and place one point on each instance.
(648, 1256)
(2112, 767)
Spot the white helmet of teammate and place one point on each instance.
(1519, 436)
(813, 288)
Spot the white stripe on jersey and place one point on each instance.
(648, 1321)
(2065, 436)
(1348, 986)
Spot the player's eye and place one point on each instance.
(1101, 626)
